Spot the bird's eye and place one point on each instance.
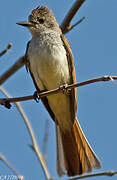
(41, 20)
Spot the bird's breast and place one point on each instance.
(49, 62)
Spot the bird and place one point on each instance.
(50, 62)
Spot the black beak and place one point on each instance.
(26, 24)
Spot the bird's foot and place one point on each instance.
(36, 96)
(64, 89)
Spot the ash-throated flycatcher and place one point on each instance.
(50, 62)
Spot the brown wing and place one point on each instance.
(44, 99)
(73, 95)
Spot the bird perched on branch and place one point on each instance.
(50, 62)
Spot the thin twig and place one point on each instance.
(8, 164)
(12, 70)
(5, 50)
(45, 139)
(74, 25)
(67, 20)
(108, 173)
(32, 135)
(5, 101)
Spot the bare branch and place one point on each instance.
(74, 25)
(6, 101)
(65, 26)
(108, 173)
(32, 135)
(12, 70)
(45, 139)
(5, 50)
(3, 158)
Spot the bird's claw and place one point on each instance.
(64, 89)
(36, 96)
(6, 103)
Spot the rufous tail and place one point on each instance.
(74, 154)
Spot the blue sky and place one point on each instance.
(94, 46)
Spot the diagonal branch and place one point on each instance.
(12, 70)
(65, 88)
(2, 158)
(46, 137)
(34, 145)
(74, 25)
(65, 26)
(108, 173)
(5, 50)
